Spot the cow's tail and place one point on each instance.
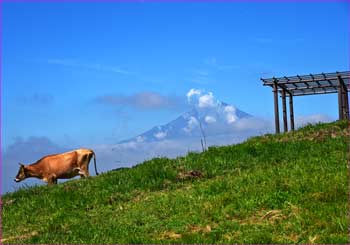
(93, 153)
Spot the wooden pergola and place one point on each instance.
(312, 84)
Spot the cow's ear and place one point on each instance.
(20, 164)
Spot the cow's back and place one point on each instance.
(61, 165)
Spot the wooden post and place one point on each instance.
(340, 102)
(291, 112)
(346, 101)
(275, 96)
(343, 98)
(284, 107)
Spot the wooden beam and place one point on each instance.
(301, 80)
(308, 87)
(316, 93)
(275, 97)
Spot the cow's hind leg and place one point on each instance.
(83, 173)
(84, 168)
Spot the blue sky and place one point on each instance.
(93, 73)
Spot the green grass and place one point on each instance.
(288, 188)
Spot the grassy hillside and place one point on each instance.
(289, 188)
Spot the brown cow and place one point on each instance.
(59, 166)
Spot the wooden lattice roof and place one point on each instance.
(323, 83)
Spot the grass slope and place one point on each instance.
(288, 188)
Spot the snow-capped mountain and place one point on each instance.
(222, 124)
(215, 118)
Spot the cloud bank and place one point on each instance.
(25, 151)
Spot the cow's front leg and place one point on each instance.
(52, 180)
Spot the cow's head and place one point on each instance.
(22, 173)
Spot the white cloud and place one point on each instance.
(230, 113)
(263, 125)
(254, 124)
(206, 100)
(191, 93)
(230, 109)
(231, 118)
(210, 119)
(311, 119)
(201, 99)
(191, 124)
(140, 139)
(160, 135)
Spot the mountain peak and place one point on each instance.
(215, 118)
